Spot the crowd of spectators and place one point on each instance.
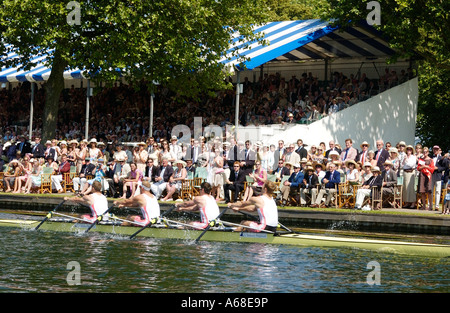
(122, 111)
(121, 153)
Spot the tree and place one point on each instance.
(413, 27)
(416, 29)
(152, 40)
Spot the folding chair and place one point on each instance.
(346, 197)
(46, 180)
(68, 179)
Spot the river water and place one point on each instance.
(39, 261)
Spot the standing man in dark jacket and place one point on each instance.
(38, 148)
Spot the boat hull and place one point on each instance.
(303, 240)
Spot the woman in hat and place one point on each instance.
(81, 155)
(176, 180)
(409, 166)
(93, 151)
(140, 156)
(62, 149)
(50, 162)
(34, 179)
(371, 158)
(395, 160)
(351, 172)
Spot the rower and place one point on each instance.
(96, 201)
(205, 203)
(146, 201)
(265, 206)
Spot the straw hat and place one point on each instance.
(387, 163)
(367, 164)
(180, 162)
(365, 143)
(410, 147)
(376, 169)
(350, 161)
(393, 150)
(333, 153)
(319, 164)
(142, 144)
(289, 163)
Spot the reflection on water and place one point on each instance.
(37, 262)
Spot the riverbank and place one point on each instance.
(386, 220)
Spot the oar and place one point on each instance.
(153, 221)
(211, 224)
(99, 218)
(49, 215)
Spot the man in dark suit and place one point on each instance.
(331, 179)
(247, 158)
(301, 149)
(381, 155)
(38, 148)
(440, 165)
(87, 168)
(332, 148)
(234, 183)
(151, 171)
(309, 185)
(278, 153)
(109, 177)
(366, 189)
(389, 178)
(162, 178)
(23, 146)
(281, 170)
(292, 184)
(190, 168)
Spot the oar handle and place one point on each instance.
(211, 224)
(49, 215)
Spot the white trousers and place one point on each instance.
(56, 182)
(79, 182)
(158, 188)
(360, 195)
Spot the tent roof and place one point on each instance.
(309, 40)
(39, 72)
(288, 41)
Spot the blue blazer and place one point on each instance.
(296, 179)
(333, 180)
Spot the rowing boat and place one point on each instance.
(218, 234)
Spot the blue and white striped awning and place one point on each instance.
(288, 41)
(308, 40)
(39, 72)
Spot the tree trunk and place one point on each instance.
(53, 89)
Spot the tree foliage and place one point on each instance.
(416, 29)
